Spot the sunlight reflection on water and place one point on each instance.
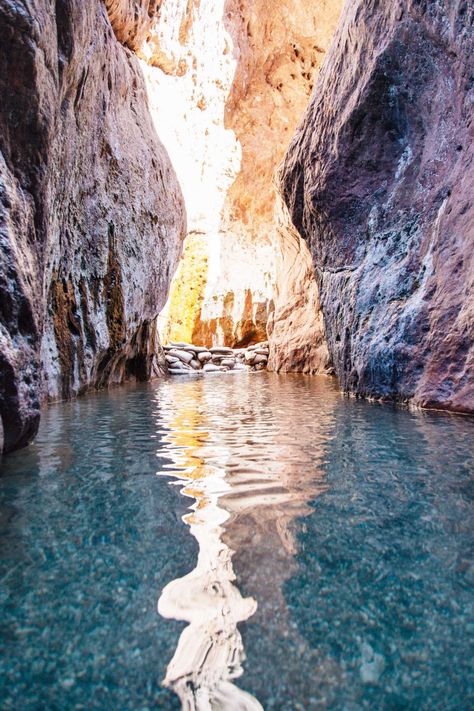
(308, 551)
(213, 466)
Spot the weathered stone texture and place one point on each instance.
(241, 91)
(132, 21)
(91, 215)
(379, 181)
(296, 326)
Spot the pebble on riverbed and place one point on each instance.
(187, 359)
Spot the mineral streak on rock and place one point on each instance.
(86, 253)
(379, 182)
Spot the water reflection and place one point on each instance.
(210, 650)
(249, 478)
(364, 594)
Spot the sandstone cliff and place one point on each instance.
(242, 90)
(91, 215)
(379, 181)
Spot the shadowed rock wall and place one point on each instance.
(379, 181)
(91, 215)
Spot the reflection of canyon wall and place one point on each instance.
(270, 56)
(91, 216)
(247, 479)
(379, 182)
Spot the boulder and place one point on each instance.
(184, 356)
(228, 363)
(181, 345)
(211, 368)
(222, 350)
(204, 356)
(197, 349)
(379, 182)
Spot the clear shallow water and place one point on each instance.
(243, 541)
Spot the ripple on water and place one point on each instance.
(306, 552)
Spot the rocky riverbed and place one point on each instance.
(187, 359)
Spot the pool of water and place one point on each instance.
(244, 541)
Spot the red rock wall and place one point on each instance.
(86, 254)
(379, 181)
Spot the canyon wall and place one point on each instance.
(91, 214)
(379, 181)
(279, 51)
(190, 66)
(243, 74)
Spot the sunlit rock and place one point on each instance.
(239, 94)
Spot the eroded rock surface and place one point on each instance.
(379, 181)
(243, 75)
(91, 215)
(296, 325)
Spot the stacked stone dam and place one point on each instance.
(188, 359)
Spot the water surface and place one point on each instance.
(244, 541)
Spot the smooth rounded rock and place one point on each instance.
(196, 349)
(181, 344)
(211, 368)
(223, 350)
(228, 363)
(183, 356)
(204, 357)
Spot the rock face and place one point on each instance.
(296, 325)
(87, 253)
(242, 91)
(379, 181)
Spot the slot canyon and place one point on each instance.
(236, 355)
(332, 211)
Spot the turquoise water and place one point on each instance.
(244, 541)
